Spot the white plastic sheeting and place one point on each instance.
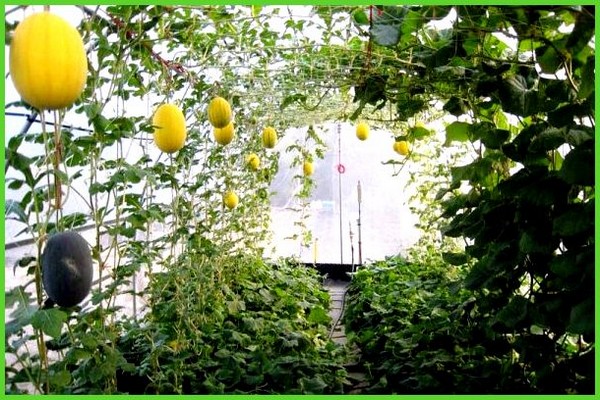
(387, 225)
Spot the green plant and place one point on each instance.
(234, 324)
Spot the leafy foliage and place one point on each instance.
(420, 331)
(234, 325)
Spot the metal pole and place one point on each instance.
(358, 190)
(340, 192)
(351, 245)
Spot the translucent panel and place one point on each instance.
(386, 223)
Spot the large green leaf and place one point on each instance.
(578, 167)
(518, 97)
(514, 313)
(582, 33)
(50, 321)
(577, 219)
(588, 78)
(581, 320)
(457, 132)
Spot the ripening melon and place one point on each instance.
(170, 131)
(67, 268)
(219, 112)
(401, 147)
(253, 161)
(362, 131)
(48, 64)
(269, 137)
(230, 199)
(224, 136)
(308, 168)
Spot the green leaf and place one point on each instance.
(457, 132)
(360, 17)
(313, 385)
(578, 167)
(23, 311)
(14, 207)
(588, 81)
(318, 315)
(514, 312)
(581, 319)
(582, 33)
(49, 321)
(518, 96)
(455, 106)
(60, 379)
(579, 218)
(256, 10)
(564, 265)
(550, 139)
(548, 58)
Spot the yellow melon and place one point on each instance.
(219, 112)
(48, 64)
(253, 161)
(170, 131)
(362, 131)
(269, 137)
(230, 199)
(224, 136)
(401, 147)
(308, 168)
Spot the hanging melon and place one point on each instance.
(224, 136)
(67, 268)
(169, 128)
(269, 137)
(401, 147)
(48, 64)
(230, 199)
(219, 112)
(362, 131)
(308, 168)
(253, 161)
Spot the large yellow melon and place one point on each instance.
(48, 64)
(269, 137)
(219, 112)
(170, 131)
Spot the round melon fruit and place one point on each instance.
(401, 147)
(269, 137)
(169, 128)
(219, 112)
(47, 61)
(362, 131)
(230, 199)
(67, 268)
(224, 136)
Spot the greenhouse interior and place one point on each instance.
(392, 199)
